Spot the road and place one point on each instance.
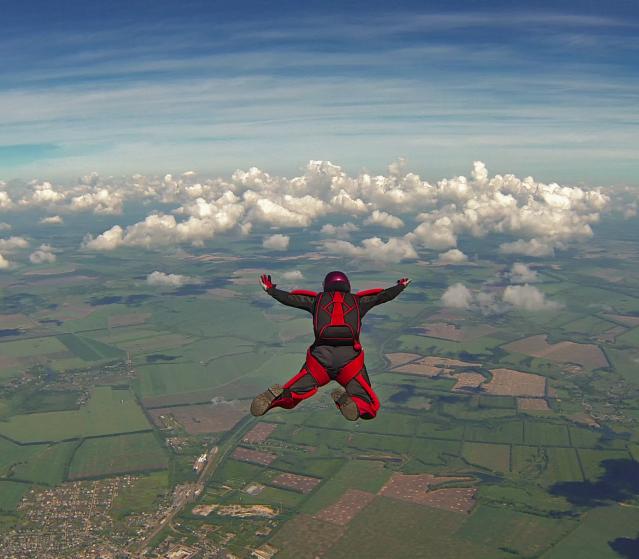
(182, 496)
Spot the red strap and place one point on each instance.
(337, 312)
(349, 371)
(303, 292)
(369, 292)
(316, 369)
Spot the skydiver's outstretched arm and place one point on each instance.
(369, 300)
(299, 300)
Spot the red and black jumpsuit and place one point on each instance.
(336, 353)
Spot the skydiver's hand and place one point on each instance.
(265, 282)
(404, 281)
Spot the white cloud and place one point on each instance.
(109, 240)
(452, 256)
(542, 216)
(5, 201)
(394, 250)
(53, 220)
(293, 275)
(340, 231)
(13, 243)
(521, 273)
(529, 298)
(170, 280)
(4, 263)
(5, 226)
(43, 255)
(458, 296)
(276, 242)
(533, 247)
(384, 219)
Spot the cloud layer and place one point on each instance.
(539, 217)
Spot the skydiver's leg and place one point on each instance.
(360, 390)
(359, 399)
(302, 386)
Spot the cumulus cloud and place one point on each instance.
(158, 278)
(276, 242)
(452, 256)
(529, 298)
(13, 243)
(383, 219)
(532, 247)
(394, 250)
(521, 273)
(340, 231)
(52, 220)
(5, 201)
(5, 226)
(109, 240)
(293, 275)
(540, 217)
(458, 296)
(43, 255)
(4, 263)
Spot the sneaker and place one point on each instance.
(346, 404)
(262, 403)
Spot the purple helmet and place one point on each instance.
(336, 281)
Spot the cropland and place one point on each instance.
(502, 433)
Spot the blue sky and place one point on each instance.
(543, 88)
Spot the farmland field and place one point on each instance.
(117, 455)
(108, 411)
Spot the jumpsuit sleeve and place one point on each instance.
(367, 302)
(299, 301)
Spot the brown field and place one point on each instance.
(254, 456)
(302, 484)
(433, 366)
(16, 321)
(6, 361)
(129, 319)
(201, 418)
(532, 404)
(397, 359)
(506, 382)
(626, 320)
(420, 489)
(73, 312)
(610, 336)
(346, 508)
(259, 433)
(586, 355)
(466, 381)
(448, 331)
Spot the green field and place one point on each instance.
(103, 456)
(591, 539)
(48, 465)
(523, 535)
(11, 492)
(88, 349)
(494, 457)
(108, 411)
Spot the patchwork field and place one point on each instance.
(202, 418)
(588, 356)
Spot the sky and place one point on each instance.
(549, 89)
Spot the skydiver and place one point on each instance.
(336, 353)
